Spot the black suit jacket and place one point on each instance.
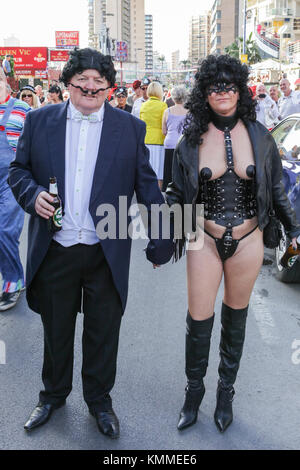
(122, 167)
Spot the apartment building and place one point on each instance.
(138, 34)
(118, 20)
(274, 20)
(226, 23)
(275, 25)
(175, 60)
(148, 44)
(199, 38)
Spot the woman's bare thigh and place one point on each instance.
(204, 275)
(242, 269)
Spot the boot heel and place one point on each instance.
(189, 412)
(223, 414)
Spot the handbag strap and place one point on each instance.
(271, 211)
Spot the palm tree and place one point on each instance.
(251, 49)
(185, 63)
(162, 59)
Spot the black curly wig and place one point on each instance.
(88, 58)
(216, 69)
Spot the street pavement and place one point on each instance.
(149, 389)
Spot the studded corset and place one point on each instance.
(228, 200)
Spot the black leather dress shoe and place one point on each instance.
(107, 423)
(41, 414)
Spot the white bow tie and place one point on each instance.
(78, 116)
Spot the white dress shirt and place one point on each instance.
(289, 104)
(137, 107)
(267, 112)
(81, 152)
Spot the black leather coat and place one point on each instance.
(185, 185)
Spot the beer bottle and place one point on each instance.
(290, 255)
(55, 222)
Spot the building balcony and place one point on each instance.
(276, 14)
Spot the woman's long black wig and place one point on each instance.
(216, 69)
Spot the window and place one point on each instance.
(287, 138)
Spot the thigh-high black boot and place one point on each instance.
(231, 347)
(198, 334)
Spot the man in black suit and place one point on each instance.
(97, 154)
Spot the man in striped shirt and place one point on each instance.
(12, 116)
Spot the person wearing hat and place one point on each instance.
(137, 90)
(121, 97)
(12, 116)
(138, 103)
(29, 96)
(97, 154)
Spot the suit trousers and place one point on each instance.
(68, 279)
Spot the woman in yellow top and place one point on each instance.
(151, 113)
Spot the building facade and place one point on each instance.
(175, 60)
(148, 44)
(226, 24)
(275, 24)
(199, 38)
(138, 35)
(111, 21)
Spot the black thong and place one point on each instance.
(227, 245)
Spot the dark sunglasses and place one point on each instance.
(144, 88)
(26, 96)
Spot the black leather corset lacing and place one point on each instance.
(228, 200)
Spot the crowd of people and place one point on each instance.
(206, 146)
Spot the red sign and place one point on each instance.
(59, 56)
(66, 39)
(27, 58)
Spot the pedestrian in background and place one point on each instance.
(66, 95)
(121, 97)
(6, 65)
(55, 95)
(172, 126)
(139, 101)
(29, 96)
(274, 94)
(152, 114)
(289, 102)
(12, 116)
(130, 95)
(228, 162)
(138, 93)
(40, 94)
(266, 110)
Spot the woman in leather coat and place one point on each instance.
(228, 162)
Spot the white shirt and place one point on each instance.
(267, 112)
(289, 104)
(137, 107)
(82, 145)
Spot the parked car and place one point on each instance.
(287, 138)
